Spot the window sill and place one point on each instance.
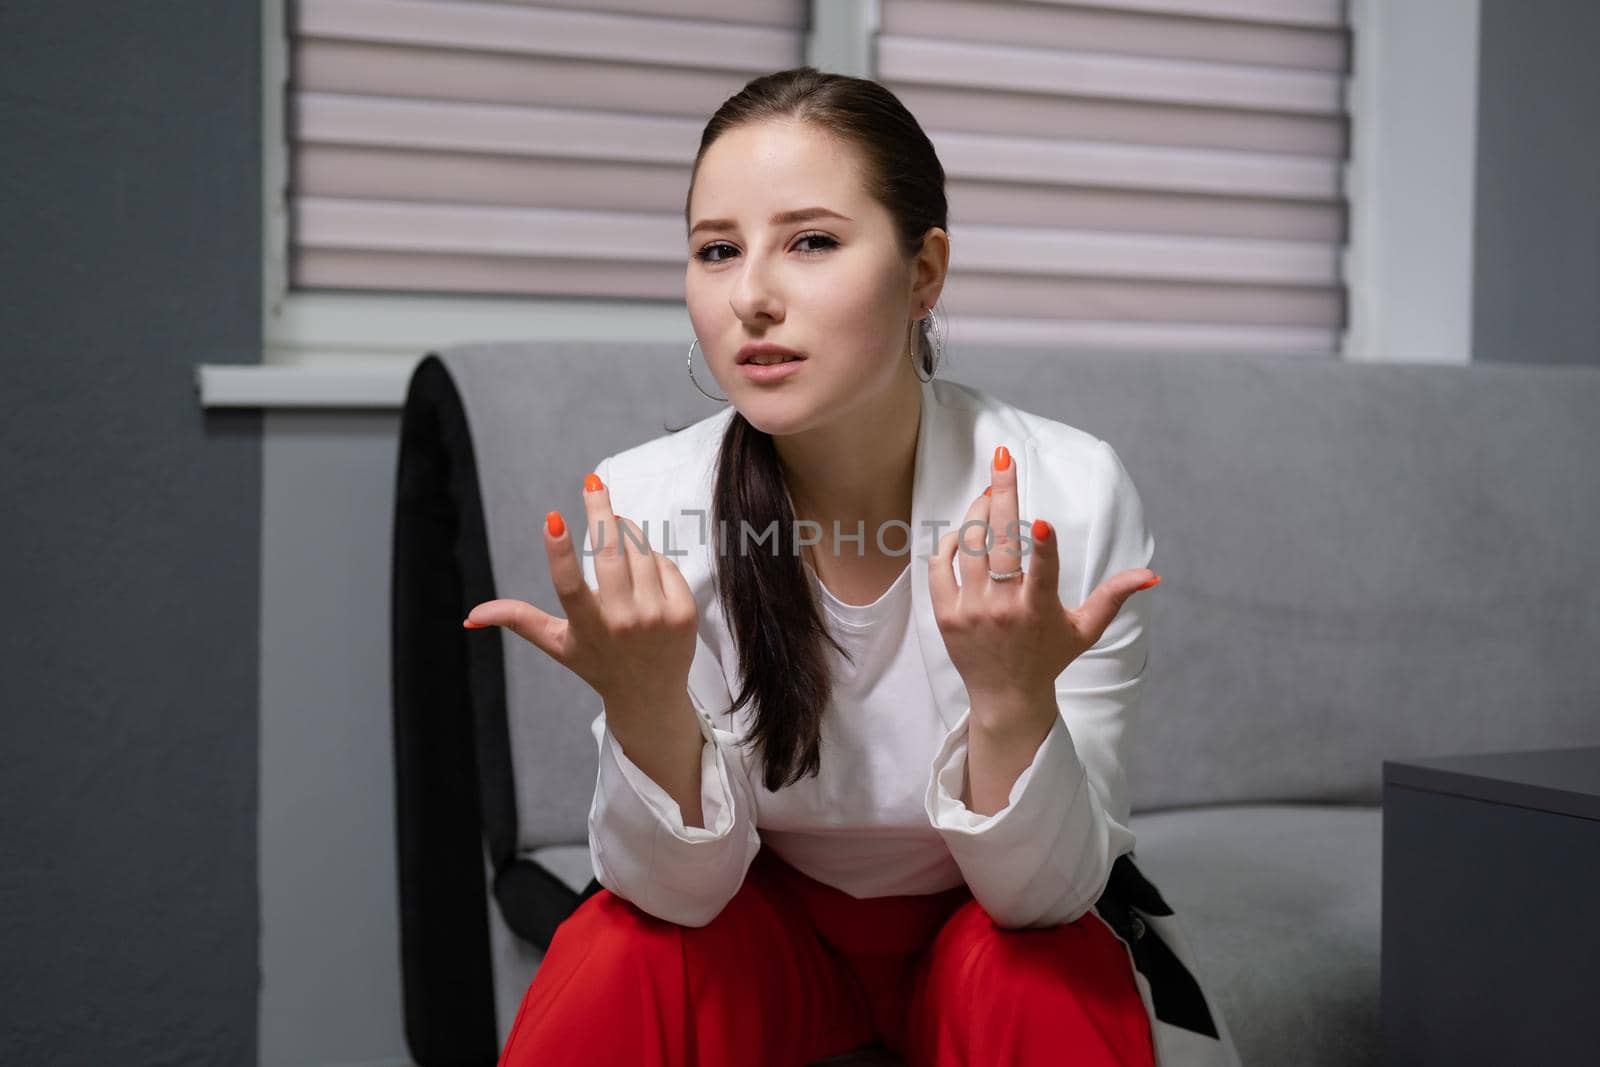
(249, 385)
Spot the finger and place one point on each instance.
(942, 589)
(1043, 574)
(972, 552)
(523, 619)
(677, 595)
(566, 574)
(1005, 556)
(605, 541)
(1107, 599)
(641, 566)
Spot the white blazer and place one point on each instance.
(1063, 848)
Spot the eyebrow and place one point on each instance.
(805, 214)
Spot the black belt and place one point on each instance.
(1174, 992)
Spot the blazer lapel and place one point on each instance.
(946, 478)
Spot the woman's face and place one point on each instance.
(833, 287)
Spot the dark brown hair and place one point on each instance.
(775, 621)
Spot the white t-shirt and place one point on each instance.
(879, 738)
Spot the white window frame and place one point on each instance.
(326, 349)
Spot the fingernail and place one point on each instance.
(592, 483)
(469, 624)
(1154, 581)
(1002, 458)
(986, 491)
(553, 523)
(1041, 530)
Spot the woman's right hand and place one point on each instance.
(635, 640)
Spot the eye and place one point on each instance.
(704, 255)
(829, 242)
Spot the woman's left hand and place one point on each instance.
(1011, 639)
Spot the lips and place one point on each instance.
(776, 372)
(766, 354)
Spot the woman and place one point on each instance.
(846, 795)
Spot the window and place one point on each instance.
(455, 169)
(1159, 173)
(1162, 174)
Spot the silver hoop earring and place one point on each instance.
(690, 364)
(935, 341)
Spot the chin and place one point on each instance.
(775, 413)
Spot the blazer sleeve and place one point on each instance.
(1046, 856)
(639, 845)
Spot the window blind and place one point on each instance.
(1155, 173)
(509, 147)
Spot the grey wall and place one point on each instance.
(330, 926)
(1536, 261)
(139, 651)
(130, 205)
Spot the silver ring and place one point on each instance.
(1006, 577)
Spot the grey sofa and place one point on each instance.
(1360, 562)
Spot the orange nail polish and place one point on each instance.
(553, 523)
(592, 483)
(1002, 458)
(988, 490)
(469, 624)
(1152, 582)
(1041, 530)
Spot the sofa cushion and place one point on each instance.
(1280, 905)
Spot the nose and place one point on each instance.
(754, 298)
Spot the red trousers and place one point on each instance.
(793, 970)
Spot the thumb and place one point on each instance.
(538, 628)
(1101, 607)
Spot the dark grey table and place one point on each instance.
(1491, 908)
